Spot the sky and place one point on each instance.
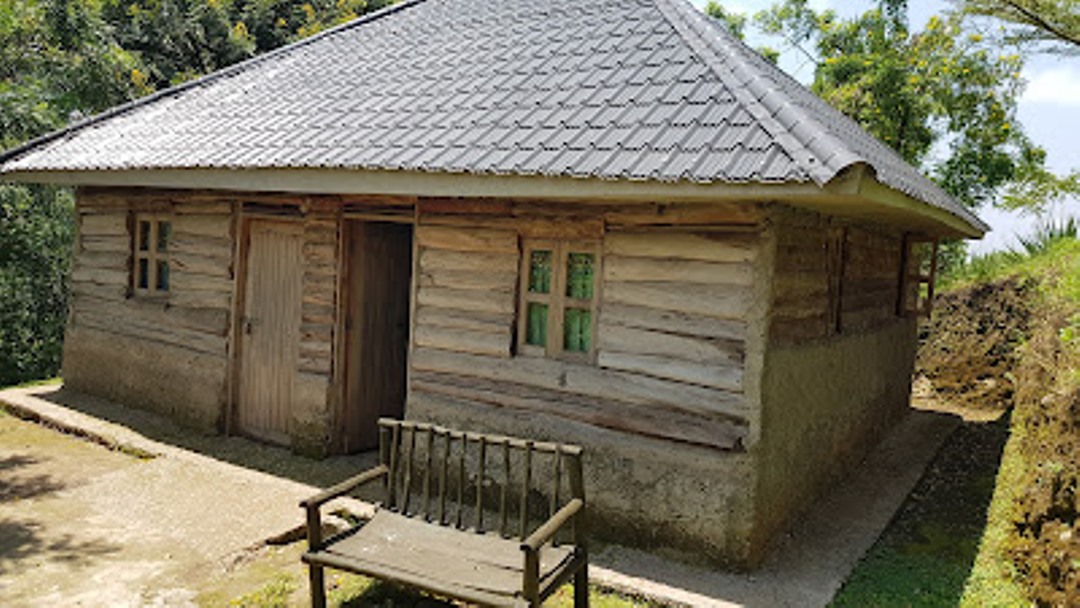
(1049, 109)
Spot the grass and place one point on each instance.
(351, 591)
(926, 555)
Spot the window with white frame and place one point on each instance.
(150, 271)
(559, 285)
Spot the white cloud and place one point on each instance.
(1059, 86)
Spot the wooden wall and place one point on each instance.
(167, 354)
(832, 278)
(196, 316)
(671, 328)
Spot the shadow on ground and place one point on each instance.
(21, 538)
(239, 451)
(24, 539)
(927, 553)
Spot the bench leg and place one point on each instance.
(318, 586)
(581, 587)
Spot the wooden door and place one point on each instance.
(270, 329)
(376, 329)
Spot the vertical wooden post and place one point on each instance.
(407, 489)
(505, 488)
(524, 527)
(427, 473)
(480, 485)
(443, 479)
(461, 481)
(395, 461)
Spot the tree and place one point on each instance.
(942, 97)
(1053, 25)
(736, 24)
(64, 59)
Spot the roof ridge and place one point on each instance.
(232, 70)
(762, 101)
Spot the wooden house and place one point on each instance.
(609, 223)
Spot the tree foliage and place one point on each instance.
(64, 59)
(942, 96)
(1052, 25)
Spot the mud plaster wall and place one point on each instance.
(827, 397)
(691, 502)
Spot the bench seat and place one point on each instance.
(479, 568)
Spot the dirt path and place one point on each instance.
(79, 525)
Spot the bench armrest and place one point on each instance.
(344, 487)
(546, 531)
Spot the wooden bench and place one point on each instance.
(465, 516)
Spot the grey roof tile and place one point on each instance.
(612, 89)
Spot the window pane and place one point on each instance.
(540, 272)
(144, 236)
(577, 330)
(144, 274)
(164, 232)
(579, 276)
(162, 276)
(536, 324)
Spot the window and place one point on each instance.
(151, 244)
(558, 299)
(918, 274)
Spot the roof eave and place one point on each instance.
(854, 193)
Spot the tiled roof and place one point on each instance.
(609, 89)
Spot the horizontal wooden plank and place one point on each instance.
(113, 224)
(312, 312)
(100, 276)
(153, 332)
(109, 260)
(583, 380)
(463, 279)
(703, 351)
(688, 246)
(463, 206)
(492, 323)
(567, 227)
(467, 239)
(191, 281)
(678, 323)
(185, 262)
(213, 226)
(432, 260)
(161, 313)
(201, 299)
(465, 299)
(648, 421)
(724, 302)
(106, 244)
(463, 340)
(203, 207)
(727, 377)
(113, 293)
(201, 245)
(633, 269)
(685, 214)
(320, 253)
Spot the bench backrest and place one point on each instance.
(487, 483)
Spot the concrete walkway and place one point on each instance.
(204, 501)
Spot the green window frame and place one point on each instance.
(151, 269)
(560, 283)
